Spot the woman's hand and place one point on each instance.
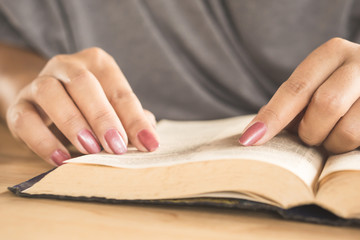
(321, 98)
(89, 100)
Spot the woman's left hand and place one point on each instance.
(322, 98)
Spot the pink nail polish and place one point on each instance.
(148, 140)
(253, 134)
(88, 141)
(115, 141)
(59, 156)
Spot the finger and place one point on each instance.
(127, 106)
(89, 96)
(53, 99)
(25, 123)
(294, 94)
(87, 93)
(138, 127)
(346, 134)
(330, 102)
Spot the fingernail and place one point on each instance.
(88, 141)
(253, 134)
(59, 157)
(148, 140)
(115, 141)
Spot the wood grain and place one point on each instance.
(22, 218)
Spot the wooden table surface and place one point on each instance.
(24, 218)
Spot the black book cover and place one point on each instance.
(306, 213)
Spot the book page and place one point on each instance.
(342, 162)
(182, 142)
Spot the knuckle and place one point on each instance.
(80, 75)
(336, 42)
(330, 103)
(101, 117)
(42, 85)
(17, 118)
(296, 86)
(100, 59)
(41, 143)
(122, 97)
(58, 59)
(96, 53)
(70, 120)
(267, 111)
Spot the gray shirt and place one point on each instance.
(187, 59)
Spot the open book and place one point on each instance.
(202, 160)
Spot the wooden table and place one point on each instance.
(24, 218)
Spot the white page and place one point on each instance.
(342, 162)
(182, 142)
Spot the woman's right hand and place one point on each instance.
(89, 100)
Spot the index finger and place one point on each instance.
(122, 98)
(294, 94)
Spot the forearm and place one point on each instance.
(18, 67)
